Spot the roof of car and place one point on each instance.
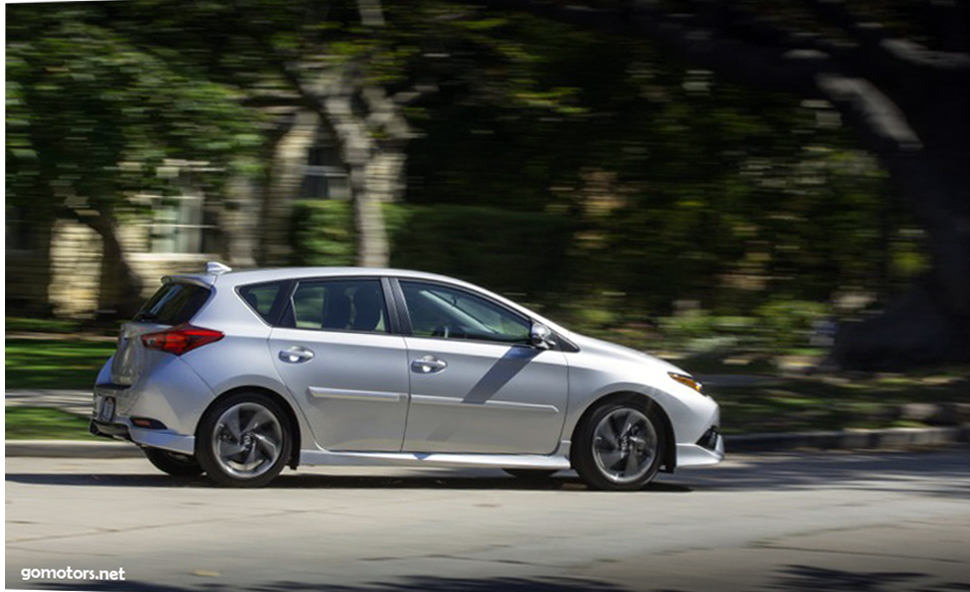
(246, 276)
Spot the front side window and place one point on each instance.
(450, 313)
(338, 305)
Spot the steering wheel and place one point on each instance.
(446, 330)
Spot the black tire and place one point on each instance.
(593, 451)
(262, 452)
(532, 474)
(173, 463)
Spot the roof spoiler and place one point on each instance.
(216, 268)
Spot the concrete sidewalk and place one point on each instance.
(78, 402)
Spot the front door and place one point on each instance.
(336, 356)
(477, 386)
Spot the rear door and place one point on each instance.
(339, 359)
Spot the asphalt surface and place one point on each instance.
(822, 521)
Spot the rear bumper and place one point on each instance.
(121, 429)
(170, 394)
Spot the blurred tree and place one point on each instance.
(906, 94)
(336, 60)
(91, 117)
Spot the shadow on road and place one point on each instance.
(439, 480)
(792, 578)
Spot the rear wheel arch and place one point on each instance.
(284, 404)
(669, 459)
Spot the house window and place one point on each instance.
(325, 176)
(183, 223)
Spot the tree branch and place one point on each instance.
(775, 68)
(876, 40)
(881, 123)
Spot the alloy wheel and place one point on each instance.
(247, 440)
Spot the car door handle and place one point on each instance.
(296, 355)
(428, 364)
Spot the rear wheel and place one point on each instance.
(173, 463)
(244, 440)
(531, 474)
(619, 446)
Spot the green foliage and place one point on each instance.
(582, 172)
(19, 324)
(512, 252)
(826, 403)
(790, 323)
(524, 253)
(55, 363)
(92, 114)
(323, 233)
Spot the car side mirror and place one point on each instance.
(541, 336)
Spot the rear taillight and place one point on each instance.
(180, 339)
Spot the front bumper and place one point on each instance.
(696, 455)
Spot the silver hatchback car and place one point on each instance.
(239, 374)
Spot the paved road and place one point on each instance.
(889, 521)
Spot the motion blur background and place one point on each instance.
(727, 181)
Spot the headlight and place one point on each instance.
(685, 380)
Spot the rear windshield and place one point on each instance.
(173, 304)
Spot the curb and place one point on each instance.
(884, 439)
(71, 449)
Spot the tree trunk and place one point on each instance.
(376, 166)
(287, 171)
(382, 180)
(126, 297)
(930, 323)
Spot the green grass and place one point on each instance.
(17, 324)
(830, 403)
(70, 363)
(44, 423)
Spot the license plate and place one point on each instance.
(106, 409)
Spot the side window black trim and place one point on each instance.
(401, 305)
(390, 306)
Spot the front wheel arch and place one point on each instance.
(284, 404)
(669, 459)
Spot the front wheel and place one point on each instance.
(619, 446)
(244, 440)
(173, 463)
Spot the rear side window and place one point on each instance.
(173, 304)
(338, 305)
(263, 298)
